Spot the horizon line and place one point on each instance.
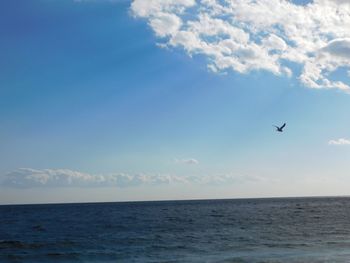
(180, 200)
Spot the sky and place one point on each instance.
(118, 100)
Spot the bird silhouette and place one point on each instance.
(280, 129)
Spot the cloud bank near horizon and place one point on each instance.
(31, 178)
(246, 35)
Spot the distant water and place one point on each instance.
(250, 230)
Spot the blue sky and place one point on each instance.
(108, 89)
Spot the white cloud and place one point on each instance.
(152, 8)
(338, 1)
(29, 178)
(340, 141)
(244, 35)
(339, 48)
(165, 24)
(187, 161)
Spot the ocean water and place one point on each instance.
(241, 230)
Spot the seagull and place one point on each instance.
(280, 129)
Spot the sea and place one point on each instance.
(237, 230)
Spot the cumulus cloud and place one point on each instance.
(340, 141)
(29, 178)
(246, 35)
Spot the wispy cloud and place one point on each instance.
(243, 35)
(190, 161)
(340, 141)
(29, 178)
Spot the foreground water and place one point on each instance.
(250, 230)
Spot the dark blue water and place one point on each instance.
(251, 230)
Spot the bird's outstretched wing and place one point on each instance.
(284, 125)
(275, 126)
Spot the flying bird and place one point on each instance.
(280, 129)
